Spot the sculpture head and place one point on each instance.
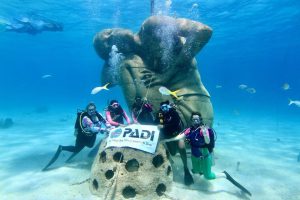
(123, 39)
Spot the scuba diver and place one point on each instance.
(88, 124)
(32, 25)
(201, 139)
(115, 114)
(170, 125)
(142, 112)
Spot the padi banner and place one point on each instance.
(142, 137)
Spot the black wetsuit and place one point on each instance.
(171, 121)
(117, 114)
(143, 113)
(172, 126)
(84, 138)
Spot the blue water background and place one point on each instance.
(254, 43)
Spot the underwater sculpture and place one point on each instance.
(162, 53)
(122, 173)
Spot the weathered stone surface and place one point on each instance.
(162, 53)
(126, 173)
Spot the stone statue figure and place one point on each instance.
(162, 53)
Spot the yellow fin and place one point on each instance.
(105, 86)
(174, 93)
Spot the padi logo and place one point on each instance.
(135, 133)
(116, 133)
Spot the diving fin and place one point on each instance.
(188, 178)
(58, 151)
(72, 156)
(94, 151)
(234, 182)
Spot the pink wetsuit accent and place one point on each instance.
(113, 123)
(126, 117)
(109, 119)
(187, 131)
(134, 118)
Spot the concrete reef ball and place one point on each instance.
(126, 173)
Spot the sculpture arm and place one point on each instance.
(151, 78)
(195, 34)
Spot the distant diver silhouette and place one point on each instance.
(32, 25)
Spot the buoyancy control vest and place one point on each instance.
(171, 121)
(117, 114)
(78, 123)
(143, 113)
(196, 139)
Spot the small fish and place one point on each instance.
(251, 90)
(298, 159)
(218, 86)
(195, 6)
(296, 102)
(285, 86)
(98, 89)
(46, 76)
(238, 166)
(242, 86)
(166, 91)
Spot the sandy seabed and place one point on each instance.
(267, 154)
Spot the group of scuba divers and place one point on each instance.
(200, 137)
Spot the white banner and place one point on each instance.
(142, 137)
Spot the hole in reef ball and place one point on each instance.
(95, 184)
(132, 165)
(160, 189)
(102, 157)
(169, 169)
(109, 174)
(129, 192)
(158, 160)
(118, 157)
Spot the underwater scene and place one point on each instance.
(150, 99)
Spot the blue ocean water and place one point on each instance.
(254, 42)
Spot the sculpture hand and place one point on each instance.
(150, 78)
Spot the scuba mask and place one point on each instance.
(91, 111)
(165, 107)
(138, 101)
(115, 105)
(196, 121)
